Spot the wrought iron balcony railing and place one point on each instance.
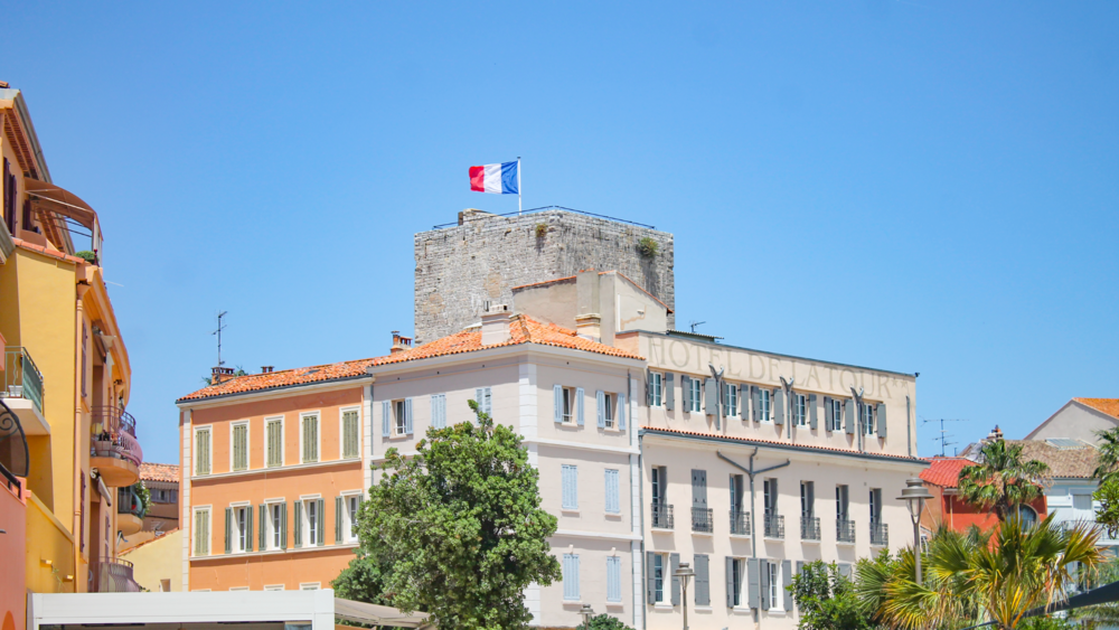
(740, 522)
(22, 378)
(114, 434)
(702, 520)
(845, 531)
(774, 526)
(879, 534)
(129, 502)
(809, 527)
(662, 516)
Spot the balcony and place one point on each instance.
(703, 520)
(739, 523)
(23, 390)
(662, 516)
(879, 534)
(845, 531)
(113, 575)
(130, 511)
(114, 451)
(775, 526)
(810, 528)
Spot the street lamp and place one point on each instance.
(587, 613)
(914, 496)
(684, 572)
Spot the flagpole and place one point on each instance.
(519, 206)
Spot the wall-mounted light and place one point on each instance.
(45, 562)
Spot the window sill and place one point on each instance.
(845, 543)
(614, 515)
(703, 609)
(739, 535)
(701, 533)
(739, 610)
(776, 612)
(569, 511)
(663, 606)
(810, 541)
(617, 605)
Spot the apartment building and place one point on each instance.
(66, 378)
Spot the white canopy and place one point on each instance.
(372, 614)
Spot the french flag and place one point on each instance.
(500, 179)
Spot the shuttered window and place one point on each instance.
(731, 401)
(202, 451)
(275, 442)
(484, 397)
(350, 433)
(613, 504)
(868, 418)
(439, 411)
(571, 577)
(694, 395)
(241, 446)
(570, 480)
(310, 438)
(202, 532)
(613, 579)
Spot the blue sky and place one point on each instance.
(918, 186)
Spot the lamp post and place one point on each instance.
(684, 572)
(587, 613)
(914, 496)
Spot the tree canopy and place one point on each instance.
(1002, 480)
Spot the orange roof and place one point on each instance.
(945, 471)
(1110, 406)
(523, 329)
(39, 249)
(159, 472)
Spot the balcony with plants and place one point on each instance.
(23, 390)
(132, 506)
(114, 450)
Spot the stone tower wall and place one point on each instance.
(461, 268)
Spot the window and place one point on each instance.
(607, 407)
(202, 451)
(613, 579)
(736, 582)
(570, 487)
(775, 602)
(313, 522)
(800, 409)
(1082, 502)
(310, 586)
(807, 499)
(836, 414)
(274, 587)
(400, 417)
(202, 531)
(277, 526)
(240, 446)
(310, 437)
(164, 495)
(770, 496)
(353, 505)
(731, 399)
(841, 503)
(439, 411)
(868, 418)
(396, 417)
(655, 389)
(659, 562)
(694, 396)
(274, 427)
(351, 431)
(241, 530)
(484, 397)
(875, 506)
(613, 503)
(763, 406)
(660, 484)
(568, 404)
(571, 577)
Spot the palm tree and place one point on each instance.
(1001, 480)
(1107, 461)
(974, 576)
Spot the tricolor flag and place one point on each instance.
(501, 179)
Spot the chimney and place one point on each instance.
(399, 342)
(266, 369)
(220, 375)
(589, 326)
(495, 325)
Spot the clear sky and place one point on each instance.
(913, 185)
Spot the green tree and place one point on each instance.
(1107, 514)
(458, 529)
(1107, 473)
(1002, 480)
(363, 580)
(1107, 460)
(826, 600)
(604, 622)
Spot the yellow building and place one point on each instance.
(66, 374)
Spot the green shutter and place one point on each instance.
(284, 528)
(263, 527)
(228, 530)
(320, 516)
(297, 515)
(338, 520)
(350, 434)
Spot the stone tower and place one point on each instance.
(460, 269)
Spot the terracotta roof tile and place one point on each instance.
(39, 249)
(824, 449)
(1110, 406)
(1064, 463)
(522, 330)
(159, 472)
(945, 471)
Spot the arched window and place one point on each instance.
(1027, 515)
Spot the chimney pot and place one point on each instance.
(399, 342)
(589, 326)
(220, 375)
(267, 369)
(495, 325)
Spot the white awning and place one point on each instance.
(372, 614)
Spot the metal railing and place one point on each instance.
(809, 527)
(774, 526)
(740, 522)
(114, 434)
(845, 531)
(22, 378)
(115, 576)
(702, 520)
(662, 516)
(879, 534)
(129, 502)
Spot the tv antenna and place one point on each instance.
(693, 324)
(217, 332)
(943, 439)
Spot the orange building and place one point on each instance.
(942, 478)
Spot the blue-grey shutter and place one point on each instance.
(849, 410)
(622, 409)
(699, 488)
(557, 400)
(669, 391)
(613, 579)
(435, 411)
(570, 487)
(338, 518)
(812, 422)
(263, 527)
(600, 406)
(673, 564)
(881, 419)
(575, 564)
(730, 581)
(710, 397)
(650, 578)
(756, 398)
(786, 582)
(763, 585)
(753, 581)
(724, 397)
(686, 388)
(702, 581)
(408, 416)
(297, 515)
(845, 569)
(828, 421)
(580, 396)
(612, 500)
(386, 418)
(284, 527)
(649, 388)
(228, 530)
(778, 410)
(320, 516)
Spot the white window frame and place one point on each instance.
(208, 510)
(696, 386)
(267, 421)
(738, 582)
(837, 414)
(234, 589)
(776, 599)
(237, 545)
(609, 401)
(765, 405)
(208, 429)
(399, 408)
(570, 405)
(273, 587)
(665, 579)
(868, 418)
(800, 409)
(309, 539)
(658, 389)
(349, 522)
(303, 415)
(232, 446)
(486, 404)
(342, 431)
(271, 531)
(310, 586)
(732, 400)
